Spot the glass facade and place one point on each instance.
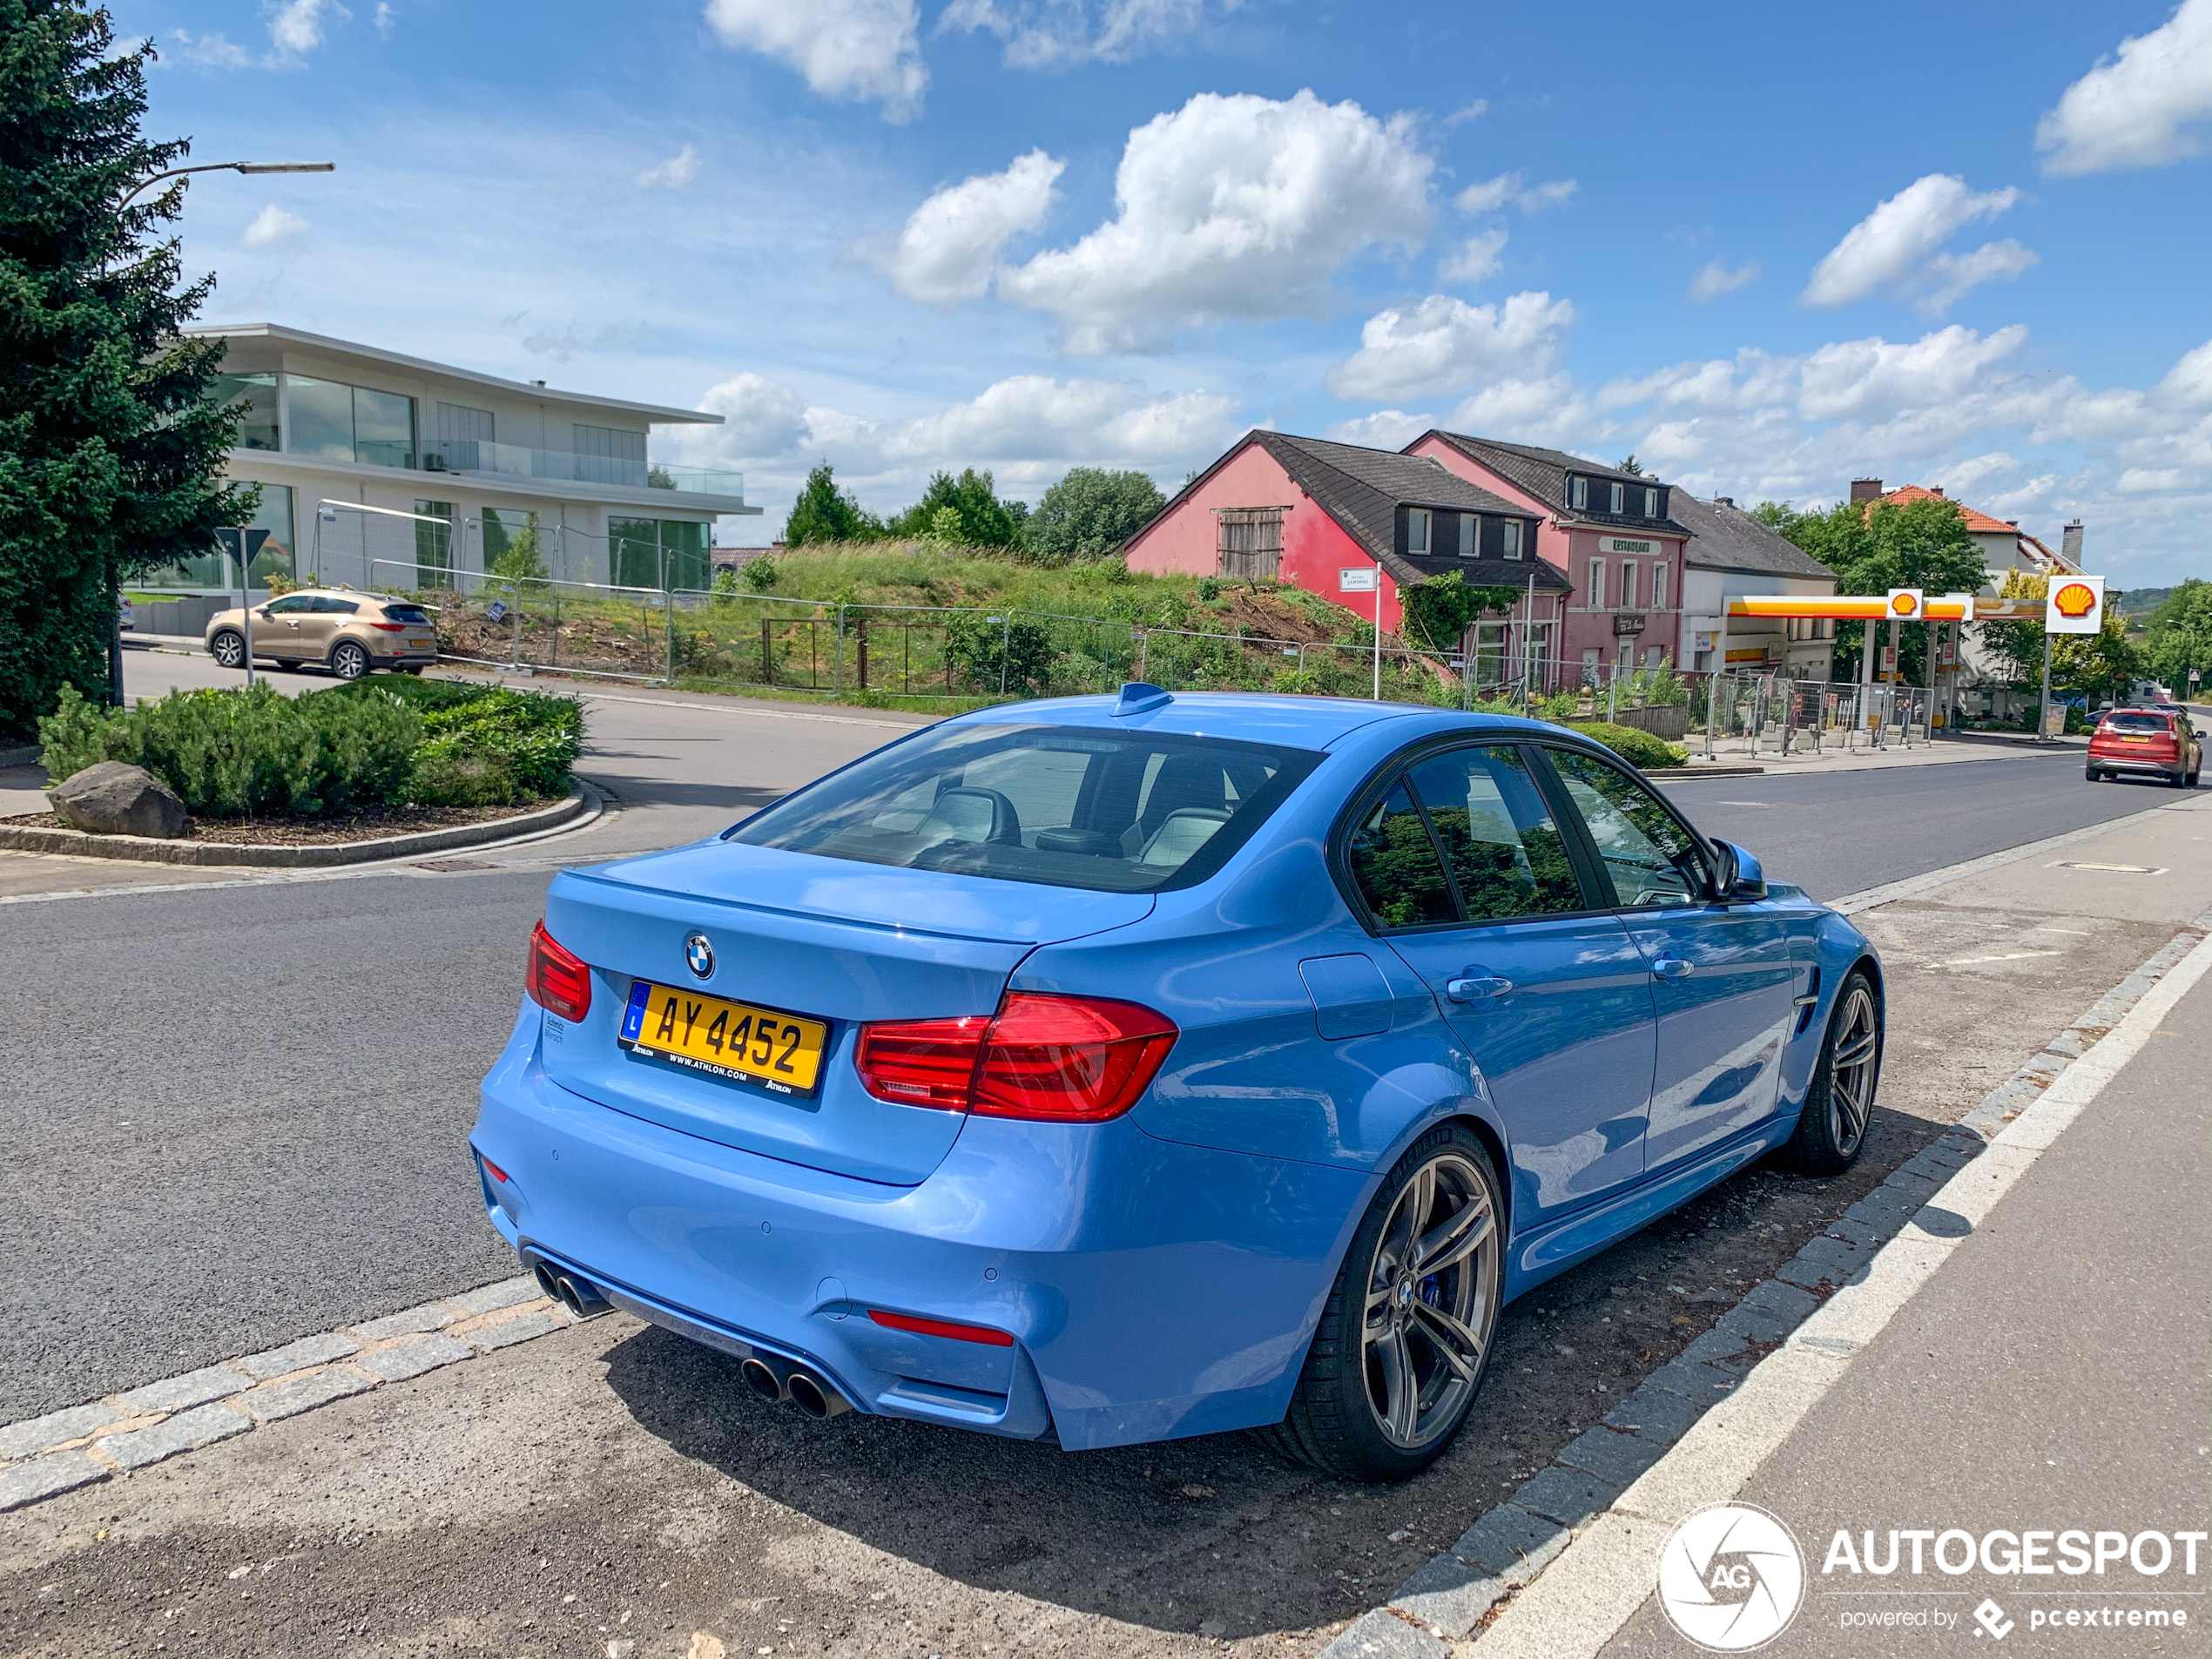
(434, 545)
(258, 394)
(656, 552)
(510, 543)
(334, 422)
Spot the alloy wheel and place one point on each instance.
(1427, 1317)
(1850, 1081)
(228, 649)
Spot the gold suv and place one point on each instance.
(348, 633)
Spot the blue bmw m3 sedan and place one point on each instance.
(1119, 1068)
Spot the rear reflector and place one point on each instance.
(492, 1170)
(1055, 1059)
(982, 1333)
(556, 980)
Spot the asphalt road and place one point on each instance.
(1839, 832)
(238, 1116)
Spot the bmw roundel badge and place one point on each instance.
(699, 955)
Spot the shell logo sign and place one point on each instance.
(2076, 605)
(2075, 599)
(1905, 604)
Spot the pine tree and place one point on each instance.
(110, 449)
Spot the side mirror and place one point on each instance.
(1737, 877)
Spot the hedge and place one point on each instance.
(1639, 749)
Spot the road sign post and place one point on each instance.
(242, 542)
(1355, 578)
(2075, 605)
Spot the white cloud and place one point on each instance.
(846, 49)
(1384, 429)
(574, 340)
(1443, 344)
(1716, 279)
(1473, 259)
(1025, 418)
(1231, 207)
(1546, 410)
(2138, 480)
(2188, 383)
(1861, 378)
(273, 228)
(1052, 34)
(1963, 476)
(1514, 188)
(296, 27)
(385, 19)
(1895, 246)
(951, 243)
(674, 173)
(1465, 113)
(2135, 110)
(210, 51)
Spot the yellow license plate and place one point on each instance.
(2135, 739)
(724, 1039)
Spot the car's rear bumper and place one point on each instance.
(1152, 1289)
(2162, 764)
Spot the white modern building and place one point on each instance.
(379, 469)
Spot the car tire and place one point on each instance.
(413, 668)
(2093, 774)
(228, 649)
(1840, 1103)
(349, 659)
(1364, 1409)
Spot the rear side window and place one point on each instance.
(2138, 723)
(1111, 811)
(325, 606)
(1462, 837)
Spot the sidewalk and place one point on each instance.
(2056, 1372)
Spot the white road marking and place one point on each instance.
(2010, 956)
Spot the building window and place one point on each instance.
(1617, 498)
(1595, 598)
(257, 395)
(334, 422)
(1628, 585)
(1417, 529)
(652, 553)
(511, 543)
(1578, 493)
(1651, 503)
(1513, 538)
(1658, 587)
(1470, 536)
(1248, 541)
(610, 455)
(433, 544)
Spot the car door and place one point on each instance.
(326, 616)
(1721, 974)
(276, 627)
(1460, 860)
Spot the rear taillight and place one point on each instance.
(1056, 1059)
(390, 627)
(556, 980)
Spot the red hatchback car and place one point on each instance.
(2144, 742)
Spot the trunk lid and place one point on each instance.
(824, 940)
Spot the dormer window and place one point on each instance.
(1651, 503)
(1619, 502)
(1513, 535)
(1470, 536)
(1417, 529)
(1578, 493)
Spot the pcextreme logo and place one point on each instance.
(2075, 599)
(1731, 1577)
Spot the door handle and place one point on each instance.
(1671, 967)
(1470, 990)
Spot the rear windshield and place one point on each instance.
(1111, 811)
(2125, 722)
(406, 613)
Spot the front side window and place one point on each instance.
(1648, 858)
(1417, 530)
(1108, 811)
(293, 604)
(1501, 848)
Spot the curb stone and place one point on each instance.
(1457, 1590)
(57, 1452)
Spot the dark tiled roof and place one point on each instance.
(1542, 472)
(1486, 573)
(1362, 489)
(1727, 538)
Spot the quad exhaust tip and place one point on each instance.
(779, 1382)
(580, 1296)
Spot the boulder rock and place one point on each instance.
(114, 798)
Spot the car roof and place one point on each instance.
(1297, 721)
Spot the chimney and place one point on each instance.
(2070, 544)
(1935, 489)
(1723, 501)
(1866, 489)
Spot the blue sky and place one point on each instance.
(1765, 248)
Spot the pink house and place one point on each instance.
(1610, 533)
(1307, 511)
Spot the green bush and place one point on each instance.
(252, 752)
(1639, 749)
(483, 745)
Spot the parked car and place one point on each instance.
(2156, 741)
(348, 633)
(1139, 1067)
